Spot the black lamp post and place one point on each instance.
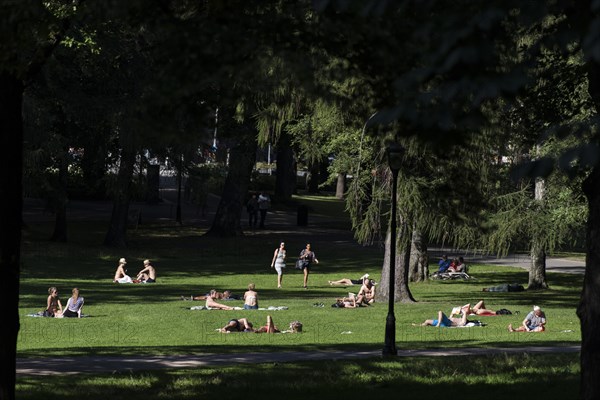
(395, 154)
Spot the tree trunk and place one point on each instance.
(285, 183)
(340, 187)
(11, 192)
(60, 223)
(419, 259)
(588, 310)
(537, 269)
(179, 179)
(589, 305)
(401, 290)
(117, 231)
(227, 220)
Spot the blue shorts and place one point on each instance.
(445, 322)
(247, 307)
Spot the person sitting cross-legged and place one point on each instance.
(535, 321)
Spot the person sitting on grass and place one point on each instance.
(444, 321)
(348, 281)
(366, 294)
(457, 265)
(74, 305)
(121, 273)
(535, 321)
(237, 325)
(53, 304)
(225, 295)
(212, 304)
(147, 274)
(251, 298)
(444, 263)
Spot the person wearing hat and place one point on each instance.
(535, 321)
(121, 273)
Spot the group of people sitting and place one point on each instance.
(146, 275)
(455, 265)
(54, 308)
(535, 320)
(365, 296)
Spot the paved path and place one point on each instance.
(101, 364)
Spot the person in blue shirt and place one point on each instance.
(444, 263)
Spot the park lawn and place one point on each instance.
(495, 377)
(152, 319)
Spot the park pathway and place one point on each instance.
(108, 364)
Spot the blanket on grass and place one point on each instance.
(41, 314)
(270, 308)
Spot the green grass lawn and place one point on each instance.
(152, 319)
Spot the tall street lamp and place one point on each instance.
(395, 154)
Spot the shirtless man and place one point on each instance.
(366, 294)
(148, 274)
(121, 275)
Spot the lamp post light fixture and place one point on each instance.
(395, 155)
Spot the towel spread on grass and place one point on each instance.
(41, 314)
(270, 308)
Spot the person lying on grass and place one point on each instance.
(480, 309)
(535, 321)
(243, 325)
(346, 302)
(295, 327)
(444, 321)
(237, 325)
(348, 281)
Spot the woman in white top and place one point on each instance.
(278, 262)
(74, 305)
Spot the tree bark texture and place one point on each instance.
(340, 187)
(401, 290)
(537, 269)
(419, 259)
(117, 231)
(285, 182)
(228, 216)
(11, 192)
